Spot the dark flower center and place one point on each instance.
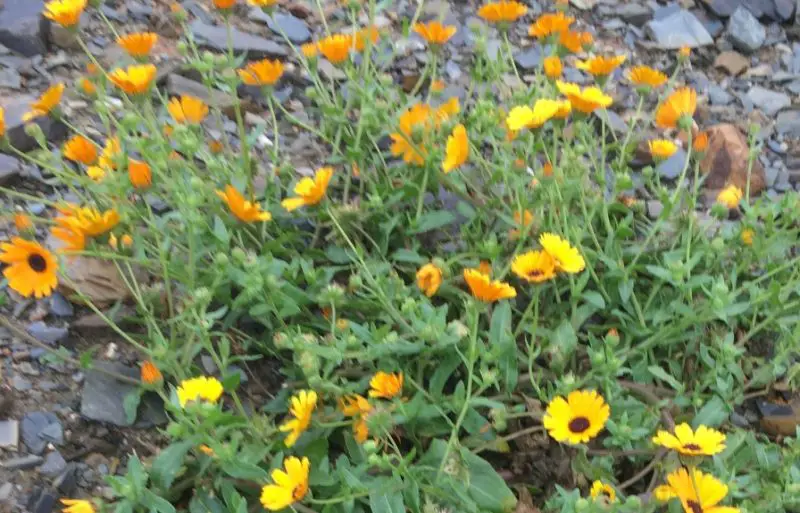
(692, 447)
(533, 273)
(579, 424)
(298, 492)
(694, 506)
(37, 263)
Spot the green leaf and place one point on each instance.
(500, 337)
(131, 404)
(433, 220)
(594, 299)
(155, 503)
(383, 502)
(166, 465)
(564, 336)
(713, 414)
(407, 256)
(486, 487)
(220, 231)
(661, 374)
(241, 470)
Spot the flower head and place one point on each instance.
(567, 258)
(90, 221)
(662, 148)
(80, 149)
(526, 117)
(309, 191)
(134, 79)
(309, 50)
(704, 441)
(553, 67)
(534, 266)
(684, 52)
(601, 490)
(677, 108)
(262, 3)
(386, 385)
(201, 388)
(574, 42)
(31, 268)
(69, 233)
(2, 122)
(149, 373)
(359, 408)
(187, 110)
(138, 44)
(485, 289)
(66, 13)
(522, 219)
(290, 485)
(139, 174)
(246, 211)
(585, 100)
(22, 222)
(48, 101)
(360, 38)
(700, 142)
(261, 73)
(77, 506)
(429, 278)
(600, 66)
(87, 86)
(550, 24)
(698, 492)
(645, 76)
(336, 48)
(502, 11)
(747, 236)
(224, 4)
(434, 32)
(457, 151)
(730, 196)
(413, 126)
(578, 418)
(303, 405)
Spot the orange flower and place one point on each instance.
(484, 288)
(359, 408)
(600, 66)
(138, 44)
(550, 24)
(246, 211)
(66, 13)
(437, 86)
(502, 12)
(685, 52)
(87, 86)
(700, 143)
(80, 149)
(224, 4)
(309, 50)
(336, 48)
(22, 222)
(571, 41)
(522, 220)
(645, 76)
(585, 100)
(386, 385)
(215, 146)
(677, 109)
(309, 191)
(434, 32)
(46, 103)
(457, 149)
(134, 79)
(547, 169)
(68, 232)
(262, 3)
(261, 73)
(150, 374)
(553, 67)
(361, 37)
(409, 140)
(139, 174)
(187, 110)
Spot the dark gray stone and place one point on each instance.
(10, 78)
(654, 209)
(788, 123)
(33, 424)
(745, 31)
(9, 434)
(22, 462)
(679, 29)
(292, 27)
(718, 95)
(103, 396)
(21, 384)
(23, 28)
(54, 464)
(770, 176)
(722, 8)
(53, 130)
(53, 433)
(612, 120)
(10, 168)
(784, 9)
(671, 168)
(530, 58)
(216, 38)
(60, 306)
(51, 335)
(770, 102)
(666, 11)
(43, 502)
(66, 482)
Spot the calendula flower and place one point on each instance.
(246, 211)
(730, 196)
(521, 219)
(224, 4)
(70, 235)
(358, 407)
(705, 441)
(187, 110)
(534, 266)
(48, 101)
(457, 149)
(66, 13)
(408, 141)
(700, 142)
(126, 241)
(549, 24)
(552, 67)
(309, 191)
(134, 79)
(677, 109)
(578, 418)
(585, 100)
(437, 86)
(386, 385)
(663, 493)
(77, 506)
(429, 278)
(360, 38)
(336, 48)
(139, 174)
(262, 3)
(685, 52)
(149, 373)
(261, 73)
(201, 388)
(111, 151)
(502, 12)
(601, 490)
(484, 267)
(309, 50)
(302, 406)
(446, 110)
(434, 32)
(564, 109)
(290, 485)
(80, 149)
(662, 148)
(567, 258)
(138, 44)
(698, 492)
(31, 269)
(485, 289)
(747, 236)
(526, 117)
(645, 76)
(571, 41)
(22, 222)
(2, 122)
(600, 66)
(87, 86)
(92, 222)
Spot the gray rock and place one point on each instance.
(722, 8)
(635, 13)
(60, 306)
(679, 29)
(770, 102)
(66, 482)
(745, 32)
(782, 183)
(788, 123)
(770, 176)
(53, 130)
(23, 28)
(9, 434)
(216, 38)
(9, 77)
(718, 95)
(22, 463)
(665, 11)
(784, 9)
(103, 397)
(33, 424)
(10, 168)
(293, 28)
(54, 464)
(21, 384)
(5, 491)
(612, 120)
(51, 335)
(53, 433)
(529, 59)
(179, 85)
(671, 168)
(654, 209)
(453, 70)
(739, 420)
(43, 502)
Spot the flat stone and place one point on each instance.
(51, 335)
(612, 120)
(178, 85)
(54, 131)
(60, 306)
(784, 9)
(22, 463)
(42, 502)
(722, 8)
(654, 209)
(5, 491)
(635, 13)
(23, 28)
(33, 424)
(10, 78)
(53, 433)
(287, 25)
(20, 384)
(10, 168)
(529, 59)
(788, 123)
(679, 29)
(9, 434)
(745, 31)
(770, 102)
(671, 168)
(54, 464)
(66, 482)
(718, 95)
(103, 397)
(732, 62)
(214, 37)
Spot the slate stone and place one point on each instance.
(53, 130)
(10, 78)
(770, 102)
(10, 168)
(718, 95)
(216, 38)
(788, 123)
(21, 384)
(529, 59)
(22, 462)
(5, 491)
(9, 434)
(33, 424)
(53, 433)
(60, 306)
(770, 176)
(23, 28)
(722, 8)
(66, 482)
(666, 11)
(103, 396)
(671, 168)
(292, 27)
(784, 9)
(745, 31)
(51, 335)
(43, 502)
(54, 464)
(679, 29)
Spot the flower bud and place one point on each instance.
(182, 47)
(175, 430)
(239, 255)
(581, 504)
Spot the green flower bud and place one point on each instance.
(175, 430)
(370, 446)
(718, 244)
(239, 255)
(222, 259)
(581, 504)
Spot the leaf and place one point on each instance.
(661, 374)
(501, 338)
(166, 465)
(220, 231)
(594, 299)
(713, 414)
(131, 404)
(155, 503)
(444, 369)
(486, 487)
(383, 502)
(407, 256)
(564, 336)
(433, 220)
(242, 470)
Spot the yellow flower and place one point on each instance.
(747, 236)
(699, 493)
(564, 109)
(208, 451)
(92, 222)
(578, 418)
(309, 191)
(309, 50)
(261, 73)
(600, 66)
(549, 24)
(262, 3)
(386, 385)
(303, 405)
(69, 234)
(646, 76)
(567, 258)
(224, 4)
(663, 493)
(700, 142)
(485, 289)
(730, 196)
(2, 122)
(553, 67)
(80, 149)
(77, 506)
(31, 269)
(705, 441)
(502, 12)
(66, 13)
(447, 110)
(290, 485)
(187, 110)
(358, 407)
(138, 44)
(526, 117)
(201, 388)
(149, 373)
(662, 148)
(134, 79)
(437, 86)
(336, 48)
(22, 222)
(434, 32)
(48, 101)
(585, 100)
(601, 490)
(678, 108)
(111, 150)
(429, 278)
(685, 52)
(534, 266)
(139, 174)
(246, 211)
(457, 149)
